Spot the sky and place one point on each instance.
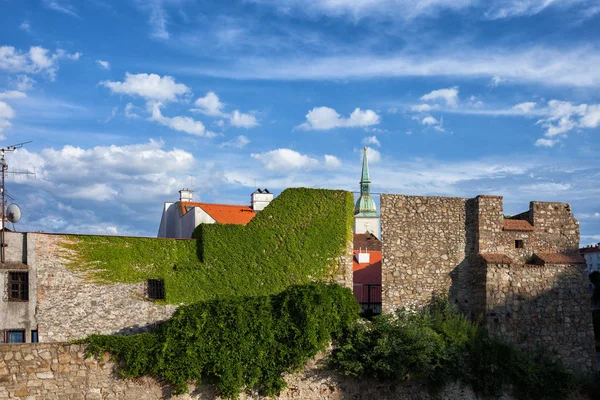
(127, 102)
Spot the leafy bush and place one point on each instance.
(440, 345)
(595, 280)
(238, 342)
(295, 240)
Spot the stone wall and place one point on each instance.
(556, 229)
(20, 257)
(426, 244)
(61, 372)
(542, 306)
(69, 307)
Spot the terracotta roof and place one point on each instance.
(223, 213)
(517, 225)
(367, 272)
(560, 258)
(492, 258)
(366, 241)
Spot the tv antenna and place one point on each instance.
(3, 150)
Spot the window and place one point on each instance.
(34, 336)
(156, 289)
(15, 337)
(18, 286)
(518, 244)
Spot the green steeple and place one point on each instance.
(365, 206)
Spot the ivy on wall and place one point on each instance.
(239, 342)
(296, 239)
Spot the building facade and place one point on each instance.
(592, 257)
(179, 219)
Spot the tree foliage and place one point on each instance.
(238, 342)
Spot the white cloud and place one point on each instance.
(149, 86)
(545, 142)
(61, 7)
(22, 83)
(212, 106)
(421, 108)
(533, 64)
(25, 26)
(75, 56)
(373, 155)
(37, 60)
(475, 102)
(332, 161)
(129, 111)
(209, 105)
(6, 111)
(323, 118)
(371, 140)
(526, 107)
(103, 64)
(285, 159)
(239, 142)
(516, 8)
(496, 81)
(242, 120)
(131, 173)
(182, 124)
(449, 95)
(408, 10)
(12, 94)
(429, 120)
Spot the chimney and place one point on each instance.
(260, 199)
(363, 258)
(185, 195)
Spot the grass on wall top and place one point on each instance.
(294, 240)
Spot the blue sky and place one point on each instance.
(127, 102)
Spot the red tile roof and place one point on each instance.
(366, 241)
(223, 213)
(367, 272)
(560, 258)
(492, 258)
(517, 225)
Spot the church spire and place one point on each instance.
(365, 206)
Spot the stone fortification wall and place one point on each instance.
(556, 229)
(426, 246)
(60, 372)
(69, 307)
(542, 306)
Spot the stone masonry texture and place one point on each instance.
(71, 308)
(57, 371)
(465, 249)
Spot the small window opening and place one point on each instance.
(156, 289)
(34, 336)
(15, 337)
(18, 286)
(518, 244)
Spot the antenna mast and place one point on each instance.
(4, 169)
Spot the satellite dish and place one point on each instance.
(13, 213)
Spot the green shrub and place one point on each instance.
(237, 342)
(295, 240)
(441, 345)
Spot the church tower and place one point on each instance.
(365, 212)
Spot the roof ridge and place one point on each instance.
(215, 204)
